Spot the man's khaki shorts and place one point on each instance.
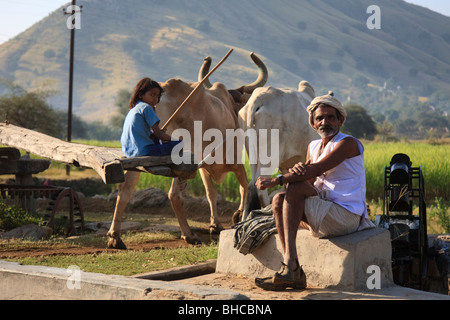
(328, 219)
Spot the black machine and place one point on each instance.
(404, 192)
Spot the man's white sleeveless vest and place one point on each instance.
(344, 184)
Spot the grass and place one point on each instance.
(128, 263)
(124, 263)
(434, 160)
(438, 214)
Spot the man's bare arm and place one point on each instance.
(345, 149)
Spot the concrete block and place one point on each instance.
(18, 282)
(340, 262)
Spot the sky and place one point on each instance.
(17, 16)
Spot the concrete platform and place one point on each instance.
(43, 283)
(342, 263)
(19, 282)
(247, 287)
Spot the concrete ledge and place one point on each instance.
(340, 262)
(19, 282)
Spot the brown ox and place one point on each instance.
(214, 108)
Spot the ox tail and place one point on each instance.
(251, 201)
(251, 117)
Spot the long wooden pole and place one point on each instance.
(72, 54)
(196, 89)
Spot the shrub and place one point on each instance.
(13, 217)
(440, 210)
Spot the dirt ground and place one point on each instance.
(198, 213)
(197, 210)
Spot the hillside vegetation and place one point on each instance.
(326, 42)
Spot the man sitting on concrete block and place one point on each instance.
(326, 194)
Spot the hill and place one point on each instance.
(326, 42)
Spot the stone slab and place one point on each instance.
(18, 282)
(340, 262)
(247, 287)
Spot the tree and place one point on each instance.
(358, 123)
(432, 120)
(80, 128)
(360, 82)
(29, 109)
(123, 99)
(392, 115)
(385, 130)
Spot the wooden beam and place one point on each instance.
(109, 163)
(161, 166)
(103, 160)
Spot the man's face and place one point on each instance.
(326, 121)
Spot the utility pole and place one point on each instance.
(71, 71)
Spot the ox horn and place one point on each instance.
(263, 76)
(260, 82)
(204, 71)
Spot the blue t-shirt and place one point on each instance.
(136, 133)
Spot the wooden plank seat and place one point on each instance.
(109, 163)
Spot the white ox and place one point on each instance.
(283, 109)
(214, 108)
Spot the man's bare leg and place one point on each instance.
(277, 209)
(288, 211)
(293, 214)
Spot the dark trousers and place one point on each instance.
(161, 150)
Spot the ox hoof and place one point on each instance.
(115, 242)
(194, 240)
(237, 217)
(215, 229)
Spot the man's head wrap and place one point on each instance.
(328, 100)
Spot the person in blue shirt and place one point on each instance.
(141, 132)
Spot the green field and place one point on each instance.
(434, 159)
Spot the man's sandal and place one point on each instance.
(283, 279)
